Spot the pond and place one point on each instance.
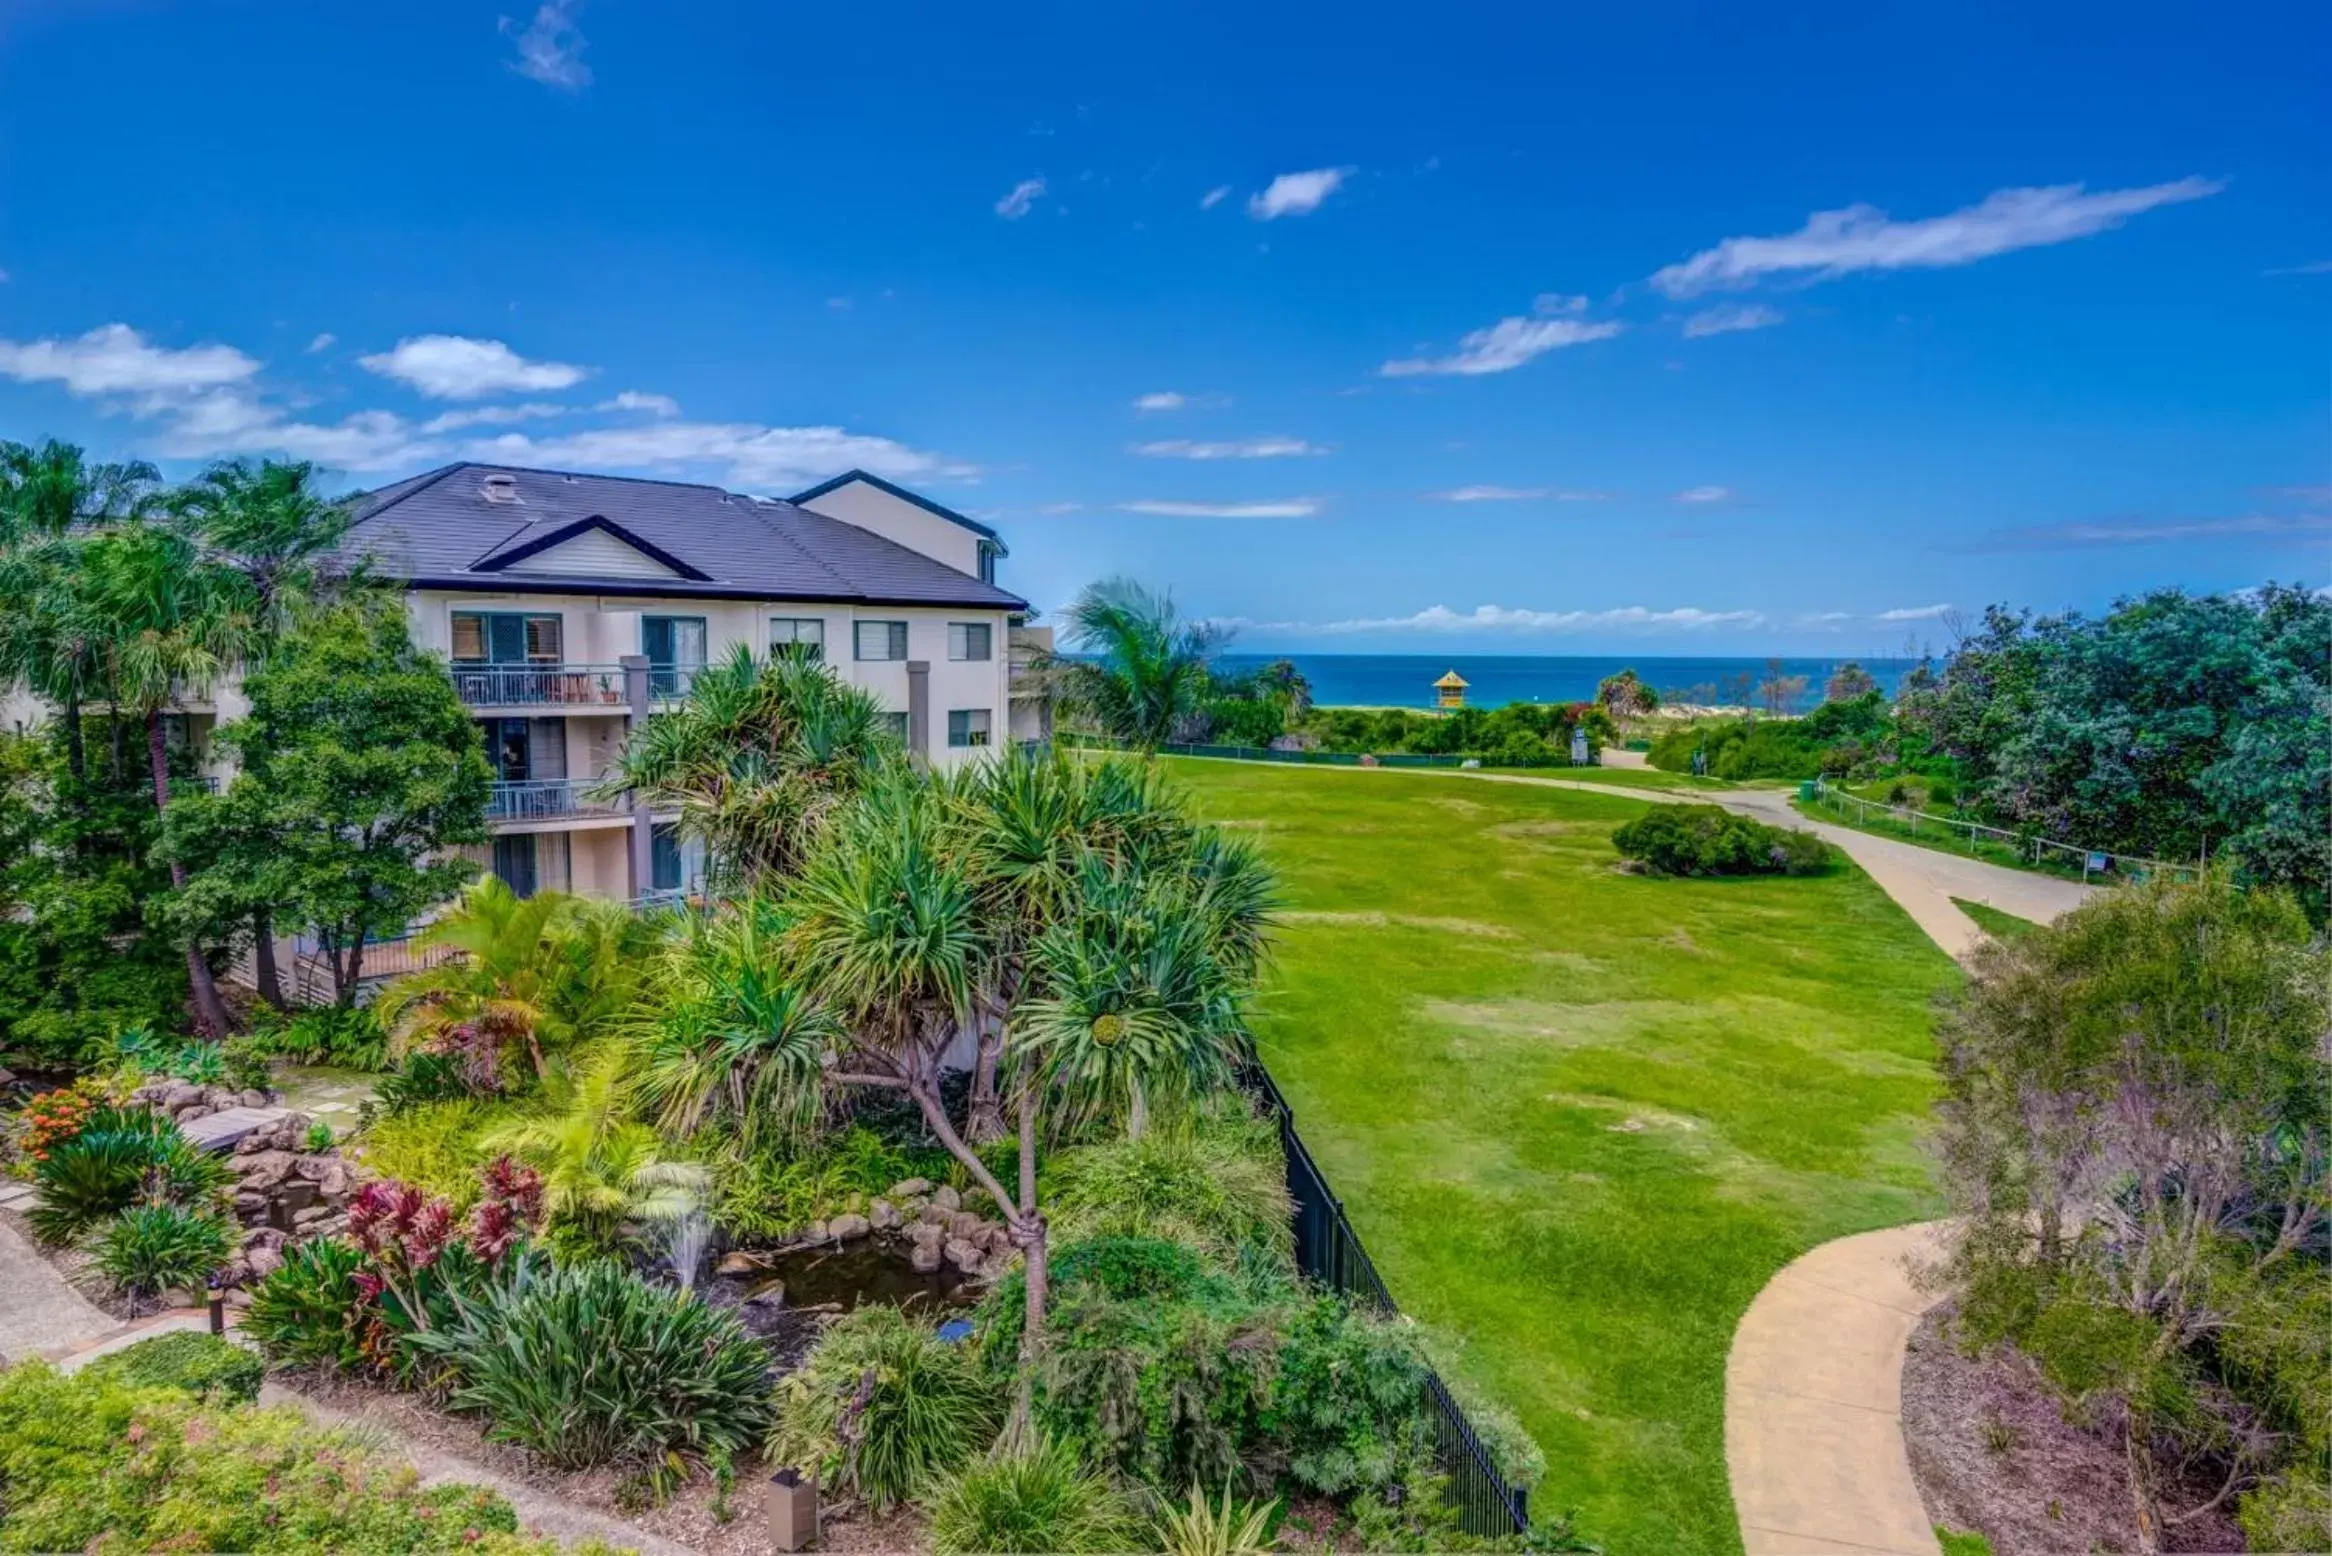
(785, 1299)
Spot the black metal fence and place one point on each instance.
(1329, 1251)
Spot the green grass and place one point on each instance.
(2000, 926)
(1930, 835)
(1620, 777)
(1957, 1542)
(1579, 1117)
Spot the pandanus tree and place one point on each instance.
(755, 760)
(172, 622)
(1139, 670)
(268, 522)
(1126, 936)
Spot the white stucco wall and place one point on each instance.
(918, 529)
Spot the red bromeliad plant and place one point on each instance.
(417, 1254)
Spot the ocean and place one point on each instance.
(1406, 680)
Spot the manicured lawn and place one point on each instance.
(2000, 926)
(1581, 1117)
(1622, 777)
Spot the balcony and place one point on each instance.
(549, 799)
(578, 687)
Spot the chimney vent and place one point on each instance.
(499, 487)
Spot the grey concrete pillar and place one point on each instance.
(919, 708)
(643, 851)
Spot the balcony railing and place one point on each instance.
(671, 683)
(547, 799)
(545, 685)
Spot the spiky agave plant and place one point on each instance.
(1223, 1526)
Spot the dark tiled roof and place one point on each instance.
(937, 510)
(439, 531)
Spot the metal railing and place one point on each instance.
(1329, 1252)
(670, 683)
(547, 799)
(540, 685)
(2038, 851)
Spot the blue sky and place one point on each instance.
(1516, 328)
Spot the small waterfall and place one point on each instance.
(685, 1238)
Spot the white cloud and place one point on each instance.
(490, 416)
(1296, 194)
(1023, 195)
(744, 454)
(1558, 302)
(1286, 508)
(550, 48)
(634, 400)
(1214, 197)
(1704, 494)
(2314, 267)
(1244, 448)
(1862, 237)
(2087, 534)
(1726, 318)
(1916, 612)
(1503, 346)
(1500, 618)
(456, 367)
(114, 359)
(1162, 400)
(323, 342)
(1488, 493)
(231, 421)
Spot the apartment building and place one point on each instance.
(571, 607)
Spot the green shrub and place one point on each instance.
(95, 1464)
(1045, 1500)
(421, 1078)
(1130, 1268)
(1347, 1406)
(434, 1146)
(301, 1314)
(587, 1364)
(122, 1156)
(1708, 840)
(774, 1188)
(350, 1038)
(202, 1364)
(1217, 1185)
(149, 1248)
(1225, 1526)
(882, 1405)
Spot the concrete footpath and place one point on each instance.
(1814, 1402)
(40, 1315)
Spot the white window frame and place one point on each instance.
(794, 637)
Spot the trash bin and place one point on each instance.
(1810, 789)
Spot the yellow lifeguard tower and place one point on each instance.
(1450, 691)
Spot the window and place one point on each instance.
(987, 563)
(967, 727)
(895, 725)
(505, 638)
(675, 649)
(969, 639)
(664, 858)
(797, 637)
(882, 640)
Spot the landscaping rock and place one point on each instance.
(313, 1168)
(946, 1198)
(178, 1094)
(264, 1170)
(963, 1255)
(815, 1232)
(770, 1293)
(844, 1228)
(253, 1098)
(305, 1220)
(741, 1261)
(965, 1225)
(934, 1215)
(885, 1216)
(337, 1183)
(262, 1262)
(238, 1299)
(908, 1188)
(924, 1257)
(926, 1234)
(221, 1098)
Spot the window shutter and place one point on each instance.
(542, 639)
(469, 637)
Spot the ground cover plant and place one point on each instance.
(96, 1462)
(1671, 1089)
(201, 1364)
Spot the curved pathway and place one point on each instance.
(40, 1314)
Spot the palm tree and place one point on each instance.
(601, 1169)
(51, 642)
(756, 759)
(1141, 670)
(172, 622)
(517, 978)
(268, 522)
